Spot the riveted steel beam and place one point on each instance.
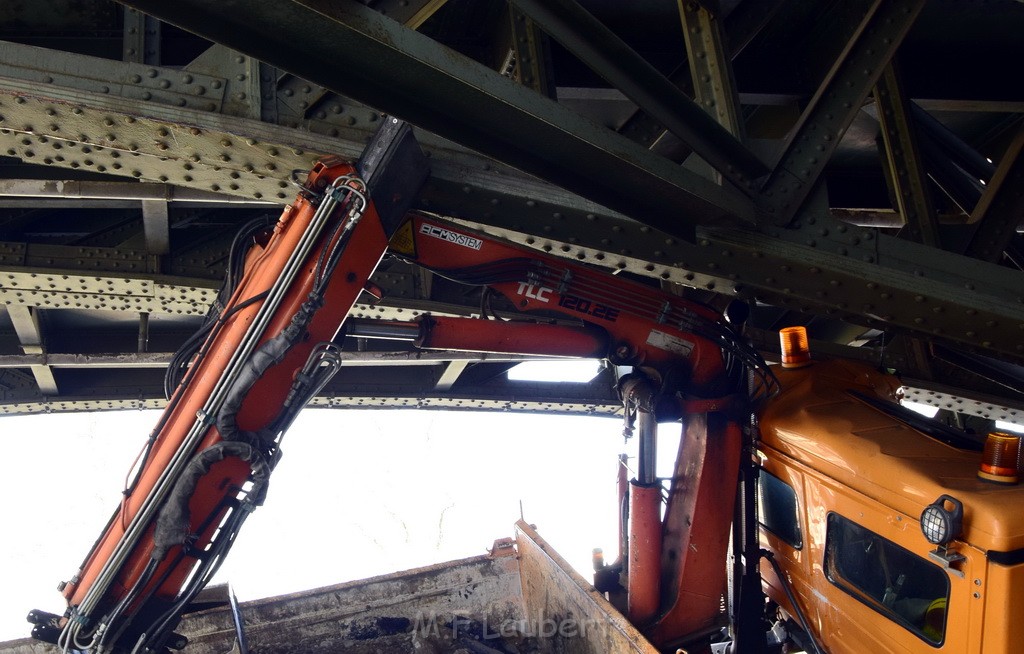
(59, 260)
(356, 359)
(1001, 207)
(403, 380)
(611, 58)
(93, 190)
(466, 187)
(742, 24)
(549, 404)
(21, 287)
(834, 106)
(461, 185)
(59, 360)
(43, 68)
(961, 400)
(411, 14)
(819, 265)
(141, 38)
(909, 178)
(401, 72)
(104, 135)
(710, 67)
(531, 52)
(206, 154)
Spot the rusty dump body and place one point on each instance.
(860, 567)
(521, 598)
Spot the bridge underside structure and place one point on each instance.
(853, 166)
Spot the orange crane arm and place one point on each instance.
(269, 349)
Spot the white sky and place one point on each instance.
(358, 493)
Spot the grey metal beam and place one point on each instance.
(958, 105)
(93, 190)
(26, 287)
(962, 400)
(450, 375)
(545, 402)
(412, 13)
(26, 325)
(1001, 207)
(156, 225)
(742, 24)
(80, 361)
(352, 359)
(611, 58)
(403, 73)
(834, 106)
(909, 178)
(42, 68)
(203, 149)
(893, 220)
(141, 38)
(532, 54)
(710, 66)
(45, 259)
(820, 266)
(477, 189)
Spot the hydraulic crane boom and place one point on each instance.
(271, 345)
(261, 356)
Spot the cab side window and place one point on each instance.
(777, 508)
(892, 580)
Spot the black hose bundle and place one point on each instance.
(172, 525)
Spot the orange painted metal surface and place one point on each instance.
(640, 319)
(814, 421)
(646, 328)
(472, 335)
(845, 458)
(365, 248)
(644, 552)
(697, 526)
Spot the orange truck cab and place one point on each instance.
(847, 479)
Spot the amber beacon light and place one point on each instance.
(795, 351)
(1000, 460)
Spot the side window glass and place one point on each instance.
(892, 580)
(777, 508)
